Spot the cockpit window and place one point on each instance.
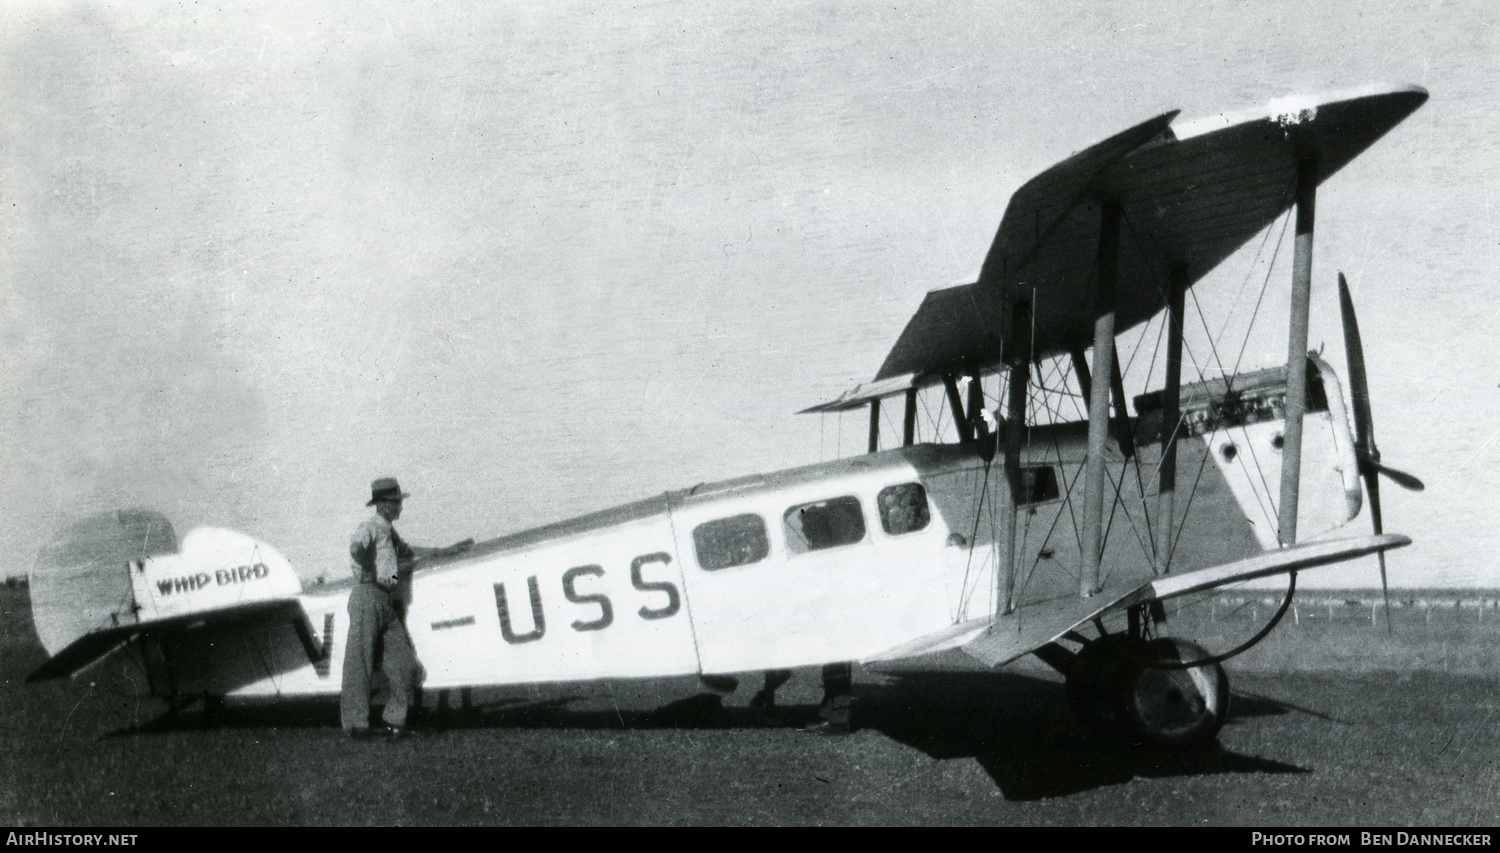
(734, 541)
(903, 508)
(823, 524)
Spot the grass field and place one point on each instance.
(1334, 723)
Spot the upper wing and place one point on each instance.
(954, 327)
(1189, 196)
(962, 324)
(1005, 638)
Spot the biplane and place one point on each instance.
(1034, 531)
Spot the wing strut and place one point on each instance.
(1123, 434)
(909, 422)
(960, 417)
(1081, 372)
(1015, 427)
(977, 423)
(1103, 370)
(1296, 348)
(1171, 421)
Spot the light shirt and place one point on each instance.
(377, 554)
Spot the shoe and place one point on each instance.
(827, 729)
(397, 732)
(362, 733)
(763, 710)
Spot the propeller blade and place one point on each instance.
(1359, 389)
(1372, 485)
(1364, 432)
(1401, 478)
(1359, 386)
(1385, 590)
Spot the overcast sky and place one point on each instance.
(539, 259)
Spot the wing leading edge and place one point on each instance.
(1001, 640)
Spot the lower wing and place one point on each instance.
(999, 640)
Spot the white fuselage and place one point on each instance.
(629, 596)
(724, 578)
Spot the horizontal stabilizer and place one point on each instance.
(95, 646)
(1000, 640)
(116, 571)
(86, 650)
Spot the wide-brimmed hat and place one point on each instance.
(386, 489)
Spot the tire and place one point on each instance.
(1173, 707)
(1097, 680)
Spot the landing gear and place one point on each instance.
(1176, 707)
(213, 710)
(1139, 688)
(213, 707)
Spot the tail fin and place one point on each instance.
(111, 576)
(213, 569)
(80, 584)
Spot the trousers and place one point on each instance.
(838, 693)
(377, 639)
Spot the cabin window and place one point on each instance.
(734, 541)
(824, 524)
(1039, 484)
(903, 508)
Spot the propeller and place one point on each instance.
(1364, 432)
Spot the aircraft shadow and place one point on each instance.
(700, 711)
(1016, 726)
(1019, 731)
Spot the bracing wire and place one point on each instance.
(1187, 508)
(1264, 286)
(838, 443)
(1286, 197)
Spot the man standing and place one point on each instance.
(838, 698)
(382, 564)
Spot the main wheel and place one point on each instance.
(1097, 680)
(1174, 707)
(213, 710)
